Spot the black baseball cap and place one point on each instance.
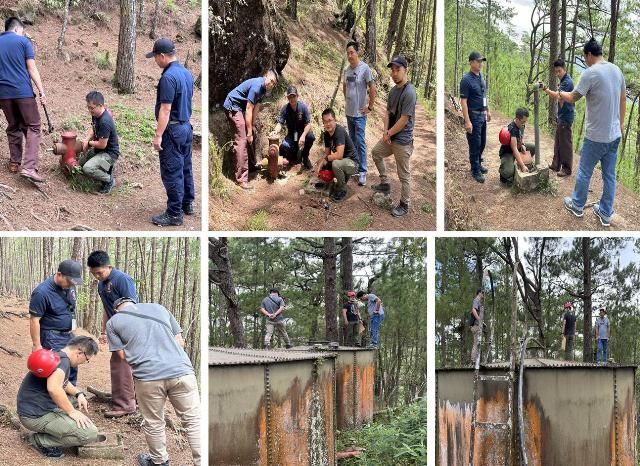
(476, 56)
(72, 270)
(398, 60)
(162, 45)
(291, 90)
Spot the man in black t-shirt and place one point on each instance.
(351, 319)
(516, 152)
(100, 147)
(339, 154)
(568, 330)
(47, 405)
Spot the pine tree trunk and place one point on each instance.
(586, 287)
(553, 55)
(63, 31)
(125, 77)
(432, 54)
(370, 41)
(615, 5)
(393, 25)
(400, 35)
(563, 29)
(154, 20)
(329, 266)
(293, 9)
(141, 15)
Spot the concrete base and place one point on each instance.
(532, 180)
(110, 449)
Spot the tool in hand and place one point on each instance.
(46, 114)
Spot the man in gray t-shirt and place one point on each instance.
(150, 339)
(359, 91)
(602, 333)
(397, 139)
(603, 86)
(272, 307)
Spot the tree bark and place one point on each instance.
(63, 31)
(329, 266)
(432, 54)
(293, 9)
(370, 41)
(588, 304)
(615, 5)
(553, 55)
(563, 29)
(154, 20)
(125, 63)
(400, 35)
(393, 26)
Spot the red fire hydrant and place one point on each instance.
(69, 149)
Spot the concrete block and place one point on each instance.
(531, 180)
(111, 448)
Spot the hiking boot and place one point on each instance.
(108, 186)
(381, 188)
(32, 175)
(553, 169)
(571, 207)
(362, 179)
(483, 170)
(506, 181)
(53, 452)
(14, 167)
(401, 210)
(339, 196)
(144, 459)
(563, 173)
(306, 164)
(187, 209)
(604, 221)
(320, 185)
(114, 413)
(166, 220)
(479, 177)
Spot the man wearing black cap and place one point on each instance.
(475, 109)
(299, 135)
(398, 135)
(174, 133)
(52, 310)
(242, 106)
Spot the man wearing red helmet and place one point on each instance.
(516, 151)
(568, 330)
(351, 319)
(49, 404)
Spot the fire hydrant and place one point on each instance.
(68, 150)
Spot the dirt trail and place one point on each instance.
(139, 192)
(492, 206)
(280, 204)
(14, 333)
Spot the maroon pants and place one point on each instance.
(123, 394)
(23, 120)
(244, 152)
(563, 148)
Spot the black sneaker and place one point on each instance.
(479, 177)
(144, 459)
(288, 346)
(187, 208)
(339, 196)
(108, 186)
(483, 170)
(401, 210)
(52, 452)
(166, 220)
(306, 164)
(381, 188)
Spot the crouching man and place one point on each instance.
(150, 339)
(50, 405)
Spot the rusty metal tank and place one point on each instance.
(355, 370)
(574, 413)
(271, 408)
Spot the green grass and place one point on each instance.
(550, 187)
(135, 130)
(427, 208)
(258, 222)
(170, 7)
(316, 51)
(362, 221)
(216, 179)
(80, 183)
(73, 123)
(399, 440)
(103, 60)
(125, 189)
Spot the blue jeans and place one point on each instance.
(603, 347)
(376, 320)
(289, 148)
(477, 140)
(590, 155)
(51, 339)
(175, 166)
(357, 127)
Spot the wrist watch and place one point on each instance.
(79, 393)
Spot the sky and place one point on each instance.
(522, 19)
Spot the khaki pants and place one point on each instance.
(183, 395)
(402, 154)
(342, 170)
(56, 429)
(351, 330)
(475, 330)
(96, 165)
(281, 329)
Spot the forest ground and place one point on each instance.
(139, 191)
(14, 333)
(317, 49)
(470, 205)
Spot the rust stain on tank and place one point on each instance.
(534, 434)
(365, 381)
(344, 395)
(454, 433)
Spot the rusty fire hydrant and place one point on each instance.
(68, 150)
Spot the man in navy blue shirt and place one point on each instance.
(17, 100)
(299, 135)
(242, 106)
(174, 133)
(475, 109)
(52, 310)
(114, 284)
(563, 144)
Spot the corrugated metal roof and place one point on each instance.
(319, 347)
(541, 363)
(234, 356)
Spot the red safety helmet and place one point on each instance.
(568, 305)
(326, 175)
(351, 294)
(43, 362)
(504, 136)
